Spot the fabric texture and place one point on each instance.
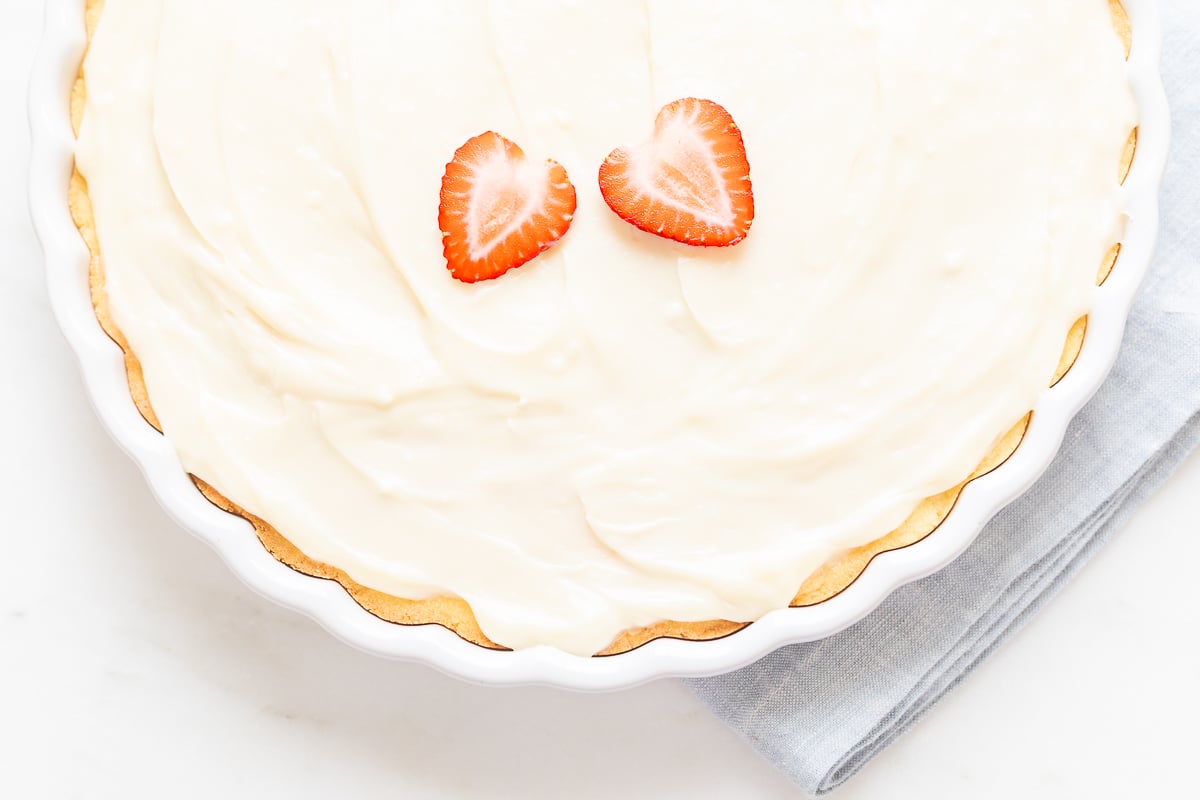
(821, 711)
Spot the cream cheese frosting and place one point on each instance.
(626, 430)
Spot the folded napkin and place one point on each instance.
(821, 711)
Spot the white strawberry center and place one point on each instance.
(678, 169)
(505, 195)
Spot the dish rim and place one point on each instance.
(102, 364)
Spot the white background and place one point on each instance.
(132, 664)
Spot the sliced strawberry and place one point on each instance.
(500, 210)
(690, 182)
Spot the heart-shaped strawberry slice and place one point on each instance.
(500, 210)
(690, 182)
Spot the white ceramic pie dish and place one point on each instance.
(104, 371)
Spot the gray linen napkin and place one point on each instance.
(821, 711)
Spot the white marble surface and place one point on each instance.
(133, 665)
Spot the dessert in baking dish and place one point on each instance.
(580, 324)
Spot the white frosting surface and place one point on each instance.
(626, 430)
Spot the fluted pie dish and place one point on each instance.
(788, 353)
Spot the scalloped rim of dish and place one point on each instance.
(103, 367)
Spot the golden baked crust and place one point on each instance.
(454, 613)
